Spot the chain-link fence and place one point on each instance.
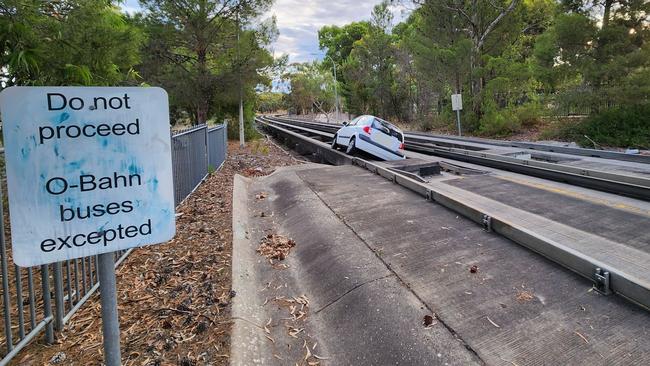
(42, 299)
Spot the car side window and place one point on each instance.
(354, 121)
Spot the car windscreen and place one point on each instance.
(354, 121)
(364, 120)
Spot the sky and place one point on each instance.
(299, 20)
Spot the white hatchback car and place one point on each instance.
(372, 135)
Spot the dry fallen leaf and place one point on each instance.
(428, 320)
(275, 246)
(525, 296)
(581, 336)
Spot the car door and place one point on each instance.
(346, 132)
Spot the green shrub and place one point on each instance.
(624, 126)
(499, 123)
(436, 122)
(448, 121)
(250, 133)
(427, 123)
(529, 114)
(559, 128)
(249, 130)
(506, 121)
(469, 120)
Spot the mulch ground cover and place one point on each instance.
(174, 299)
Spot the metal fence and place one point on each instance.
(42, 299)
(217, 146)
(192, 163)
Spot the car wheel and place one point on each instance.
(351, 146)
(334, 144)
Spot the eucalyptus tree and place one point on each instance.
(369, 70)
(474, 21)
(339, 41)
(311, 88)
(207, 48)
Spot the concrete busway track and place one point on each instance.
(374, 258)
(603, 154)
(604, 240)
(635, 165)
(480, 143)
(364, 314)
(614, 182)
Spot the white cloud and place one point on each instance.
(299, 21)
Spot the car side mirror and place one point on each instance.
(345, 123)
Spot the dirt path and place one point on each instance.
(174, 299)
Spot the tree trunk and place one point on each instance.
(607, 12)
(202, 112)
(479, 36)
(203, 86)
(319, 107)
(476, 84)
(475, 59)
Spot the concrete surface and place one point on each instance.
(374, 258)
(604, 198)
(360, 313)
(608, 222)
(588, 162)
(580, 250)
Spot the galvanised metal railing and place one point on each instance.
(42, 299)
(217, 146)
(190, 162)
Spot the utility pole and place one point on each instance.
(242, 142)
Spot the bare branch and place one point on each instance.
(494, 23)
(461, 12)
(496, 6)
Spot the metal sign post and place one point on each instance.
(108, 298)
(457, 105)
(89, 172)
